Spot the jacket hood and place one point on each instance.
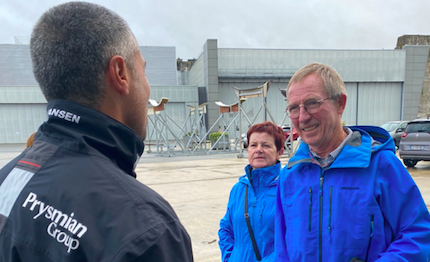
(365, 140)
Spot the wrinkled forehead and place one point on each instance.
(309, 87)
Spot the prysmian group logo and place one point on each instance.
(61, 224)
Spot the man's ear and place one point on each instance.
(341, 103)
(119, 75)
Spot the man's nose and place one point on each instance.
(304, 115)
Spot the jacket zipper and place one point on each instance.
(310, 208)
(371, 236)
(262, 209)
(321, 215)
(329, 214)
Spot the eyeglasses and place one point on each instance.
(311, 106)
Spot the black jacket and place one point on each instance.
(73, 196)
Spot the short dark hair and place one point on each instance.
(270, 128)
(71, 46)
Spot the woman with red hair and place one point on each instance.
(247, 230)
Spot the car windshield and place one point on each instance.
(389, 126)
(418, 127)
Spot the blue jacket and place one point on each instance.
(234, 240)
(364, 205)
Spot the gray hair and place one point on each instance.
(71, 46)
(333, 83)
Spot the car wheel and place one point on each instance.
(410, 162)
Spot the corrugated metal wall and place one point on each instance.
(379, 103)
(15, 66)
(19, 121)
(161, 64)
(373, 79)
(22, 111)
(373, 103)
(196, 73)
(22, 104)
(352, 65)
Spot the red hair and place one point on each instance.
(271, 129)
(30, 140)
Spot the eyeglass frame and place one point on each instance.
(320, 101)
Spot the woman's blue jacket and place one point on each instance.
(234, 240)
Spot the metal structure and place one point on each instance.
(253, 92)
(162, 129)
(227, 118)
(290, 144)
(197, 124)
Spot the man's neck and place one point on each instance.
(334, 143)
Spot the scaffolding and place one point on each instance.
(253, 92)
(162, 130)
(290, 144)
(196, 123)
(221, 139)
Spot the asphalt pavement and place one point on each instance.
(198, 187)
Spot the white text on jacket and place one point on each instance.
(71, 117)
(59, 220)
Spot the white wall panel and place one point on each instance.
(352, 65)
(21, 94)
(379, 103)
(18, 121)
(349, 116)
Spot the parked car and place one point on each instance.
(415, 142)
(287, 132)
(290, 135)
(395, 128)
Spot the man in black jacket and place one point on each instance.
(73, 195)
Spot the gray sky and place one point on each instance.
(286, 24)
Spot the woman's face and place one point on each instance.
(262, 150)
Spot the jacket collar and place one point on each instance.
(266, 176)
(357, 151)
(83, 129)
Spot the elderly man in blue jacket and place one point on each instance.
(344, 196)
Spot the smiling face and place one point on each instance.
(262, 150)
(322, 131)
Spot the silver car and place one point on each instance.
(415, 142)
(395, 128)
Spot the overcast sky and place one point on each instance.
(286, 24)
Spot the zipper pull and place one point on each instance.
(371, 225)
(321, 185)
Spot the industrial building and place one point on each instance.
(382, 85)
